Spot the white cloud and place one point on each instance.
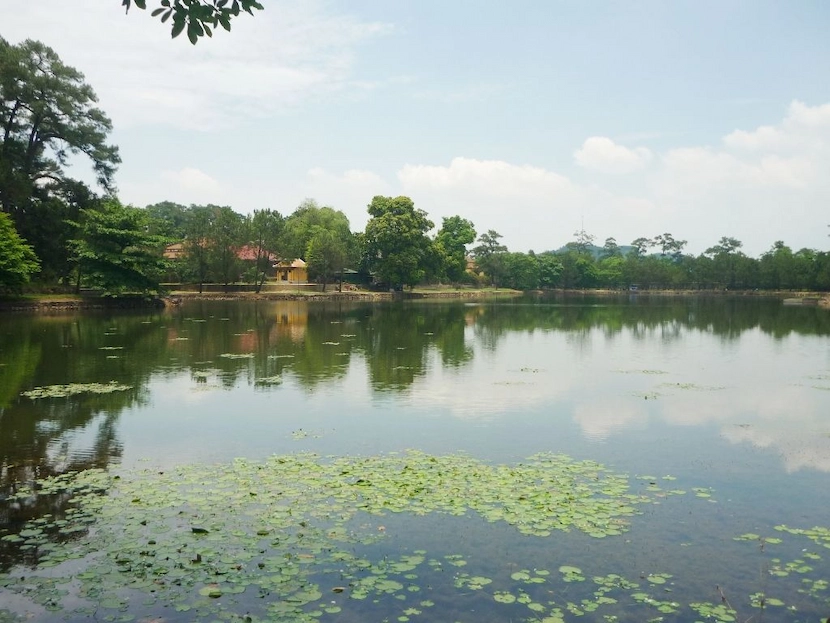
(744, 186)
(698, 169)
(602, 418)
(283, 56)
(601, 154)
(699, 193)
(491, 389)
(488, 177)
(531, 207)
(762, 138)
(187, 185)
(350, 191)
(191, 180)
(804, 130)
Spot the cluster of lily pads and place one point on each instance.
(71, 389)
(296, 538)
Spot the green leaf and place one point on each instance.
(178, 27)
(192, 32)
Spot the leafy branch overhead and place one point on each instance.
(198, 17)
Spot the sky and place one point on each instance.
(533, 118)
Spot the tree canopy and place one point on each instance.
(115, 253)
(302, 225)
(451, 241)
(47, 113)
(395, 243)
(17, 260)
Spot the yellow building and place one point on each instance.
(291, 271)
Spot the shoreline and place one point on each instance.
(72, 303)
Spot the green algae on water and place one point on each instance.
(72, 389)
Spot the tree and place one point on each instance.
(451, 242)
(578, 269)
(198, 227)
(669, 247)
(583, 241)
(489, 255)
(224, 239)
(550, 270)
(395, 241)
(264, 227)
(47, 221)
(199, 17)
(305, 221)
(47, 112)
(114, 252)
(777, 266)
(610, 270)
(521, 271)
(18, 261)
(610, 249)
(725, 260)
(168, 219)
(640, 246)
(326, 255)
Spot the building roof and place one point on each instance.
(296, 263)
(249, 252)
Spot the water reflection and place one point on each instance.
(757, 371)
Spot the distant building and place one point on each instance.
(292, 271)
(248, 253)
(173, 251)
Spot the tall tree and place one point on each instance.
(640, 246)
(47, 112)
(583, 241)
(168, 219)
(669, 246)
(326, 255)
(17, 259)
(452, 240)
(725, 256)
(395, 241)
(489, 255)
(226, 236)
(550, 270)
(610, 249)
(198, 229)
(264, 229)
(305, 221)
(521, 271)
(114, 252)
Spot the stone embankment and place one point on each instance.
(179, 297)
(61, 305)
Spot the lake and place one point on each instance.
(619, 459)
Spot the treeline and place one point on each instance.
(56, 230)
(654, 263)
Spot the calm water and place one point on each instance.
(729, 396)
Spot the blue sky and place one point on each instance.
(703, 119)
